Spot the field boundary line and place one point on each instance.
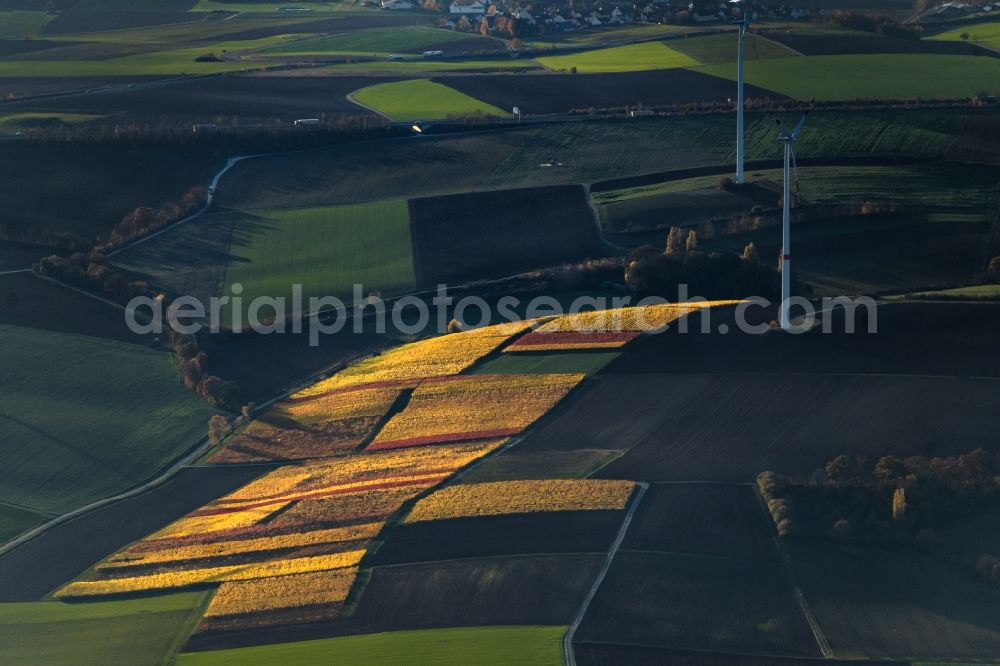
(596, 214)
(195, 452)
(568, 657)
(807, 614)
(350, 98)
(765, 38)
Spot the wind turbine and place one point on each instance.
(744, 26)
(788, 140)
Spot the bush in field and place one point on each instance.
(218, 428)
(993, 271)
(675, 243)
(711, 275)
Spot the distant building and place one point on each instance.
(475, 7)
(398, 4)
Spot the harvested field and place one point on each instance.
(97, 184)
(928, 254)
(80, 21)
(731, 427)
(702, 519)
(513, 464)
(604, 654)
(40, 566)
(188, 259)
(31, 86)
(13, 47)
(529, 590)
(393, 40)
(215, 99)
(821, 42)
(912, 339)
(492, 234)
(522, 534)
(711, 604)
(561, 93)
(266, 365)
(43, 304)
(516, 590)
(897, 604)
(587, 362)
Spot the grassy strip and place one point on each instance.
(522, 645)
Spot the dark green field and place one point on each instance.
(84, 419)
(139, 631)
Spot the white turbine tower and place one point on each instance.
(744, 26)
(788, 140)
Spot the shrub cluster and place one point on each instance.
(712, 275)
(193, 363)
(145, 220)
(92, 272)
(893, 500)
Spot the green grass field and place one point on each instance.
(84, 418)
(986, 34)
(421, 99)
(717, 49)
(513, 645)
(326, 250)
(545, 364)
(612, 34)
(22, 24)
(137, 631)
(882, 76)
(631, 58)
(378, 41)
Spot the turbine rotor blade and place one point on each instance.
(798, 127)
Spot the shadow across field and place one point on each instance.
(38, 567)
(555, 532)
(531, 590)
(563, 93)
(192, 258)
